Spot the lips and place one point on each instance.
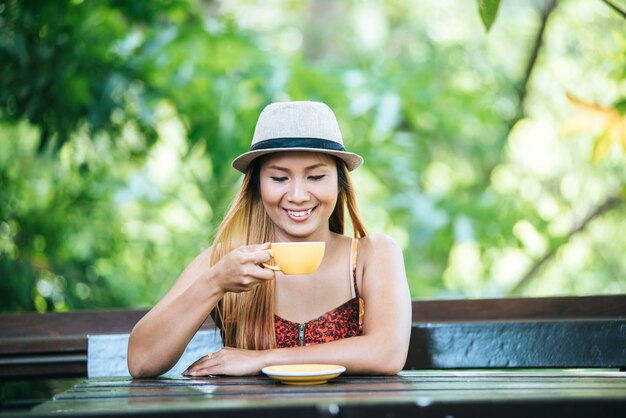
(299, 215)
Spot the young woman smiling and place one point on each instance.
(354, 310)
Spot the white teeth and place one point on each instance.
(301, 213)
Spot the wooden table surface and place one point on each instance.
(509, 393)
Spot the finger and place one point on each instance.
(256, 247)
(209, 371)
(194, 366)
(264, 274)
(203, 371)
(205, 366)
(255, 254)
(194, 370)
(202, 362)
(261, 256)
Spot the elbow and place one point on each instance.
(392, 367)
(141, 370)
(137, 361)
(141, 374)
(137, 373)
(395, 356)
(398, 367)
(138, 370)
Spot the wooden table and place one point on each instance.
(434, 393)
(548, 333)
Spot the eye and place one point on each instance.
(278, 179)
(317, 178)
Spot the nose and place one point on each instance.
(298, 192)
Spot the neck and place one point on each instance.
(326, 236)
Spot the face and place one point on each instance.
(299, 192)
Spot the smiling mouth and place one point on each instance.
(299, 213)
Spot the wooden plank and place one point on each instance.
(348, 408)
(426, 392)
(557, 344)
(55, 369)
(34, 345)
(60, 324)
(544, 408)
(65, 334)
(436, 380)
(43, 345)
(520, 309)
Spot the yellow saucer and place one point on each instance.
(304, 374)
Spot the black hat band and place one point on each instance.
(313, 143)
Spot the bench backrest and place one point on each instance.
(557, 332)
(489, 333)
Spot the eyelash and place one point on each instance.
(281, 179)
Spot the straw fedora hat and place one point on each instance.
(297, 126)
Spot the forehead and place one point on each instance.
(297, 159)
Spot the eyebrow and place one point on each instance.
(311, 167)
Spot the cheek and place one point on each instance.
(329, 193)
(263, 190)
(269, 193)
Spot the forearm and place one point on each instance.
(378, 354)
(159, 338)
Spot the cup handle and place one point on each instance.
(267, 266)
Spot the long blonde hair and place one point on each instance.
(247, 319)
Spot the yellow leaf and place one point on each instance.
(619, 132)
(601, 147)
(592, 117)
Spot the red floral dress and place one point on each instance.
(342, 322)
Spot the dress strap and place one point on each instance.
(353, 253)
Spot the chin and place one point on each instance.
(298, 233)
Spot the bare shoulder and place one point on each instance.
(379, 243)
(382, 263)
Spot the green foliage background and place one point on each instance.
(118, 122)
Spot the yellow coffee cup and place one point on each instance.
(296, 257)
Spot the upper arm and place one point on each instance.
(385, 290)
(190, 274)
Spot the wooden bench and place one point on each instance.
(555, 332)
(559, 332)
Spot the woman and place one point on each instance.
(296, 188)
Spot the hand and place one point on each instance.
(241, 270)
(228, 361)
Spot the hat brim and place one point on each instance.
(351, 159)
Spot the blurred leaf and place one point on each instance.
(601, 146)
(119, 120)
(488, 10)
(592, 117)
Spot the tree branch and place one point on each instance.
(530, 65)
(522, 87)
(615, 8)
(610, 203)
